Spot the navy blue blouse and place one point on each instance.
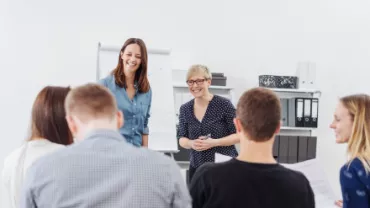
(355, 185)
(217, 121)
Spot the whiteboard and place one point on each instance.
(162, 122)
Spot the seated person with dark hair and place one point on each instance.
(254, 178)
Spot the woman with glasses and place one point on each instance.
(206, 122)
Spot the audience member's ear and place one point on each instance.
(237, 124)
(278, 127)
(71, 125)
(120, 119)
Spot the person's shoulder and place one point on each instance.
(148, 93)
(155, 156)
(354, 166)
(355, 163)
(223, 101)
(215, 168)
(156, 161)
(13, 156)
(52, 158)
(211, 167)
(107, 81)
(56, 146)
(211, 170)
(221, 98)
(294, 176)
(109, 77)
(187, 105)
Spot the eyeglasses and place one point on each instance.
(198, 81)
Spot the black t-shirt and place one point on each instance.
(235, 183)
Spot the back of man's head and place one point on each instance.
(91, 102)
(259, 112)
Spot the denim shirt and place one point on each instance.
(136, 112)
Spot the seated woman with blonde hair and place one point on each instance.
(352, 125)
(49, 132)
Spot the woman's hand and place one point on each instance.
(339, 203)
(203, 144)
(195, 145)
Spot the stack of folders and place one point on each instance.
(293, 149)
(299, 112)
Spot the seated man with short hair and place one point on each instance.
(254, 178)
(102, 169)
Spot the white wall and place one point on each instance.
(54, 42)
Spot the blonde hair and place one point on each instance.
(199, 69)
(358, 106)
(91, 101)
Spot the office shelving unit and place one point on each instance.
(293, 143)
(295, 93)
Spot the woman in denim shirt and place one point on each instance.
(130, 86)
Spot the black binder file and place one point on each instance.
(295, 112)
(299, 112)
(314, 112)
(307, 112)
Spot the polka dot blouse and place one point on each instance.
(355, 185)
(217, 121)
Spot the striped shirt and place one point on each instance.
(104, 170)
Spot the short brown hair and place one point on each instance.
(141, 75)
(259, 112)
(48, 118)
(91, 101)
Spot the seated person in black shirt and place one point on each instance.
(254, 178)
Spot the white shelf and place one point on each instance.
(183, 85)
(294, 93)
(297, 128)
(297, 131)
(294, 90)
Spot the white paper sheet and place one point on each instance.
(324, 194)
(221, 158)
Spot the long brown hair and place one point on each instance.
(48, 116)
(358, 106)
(141, 75)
